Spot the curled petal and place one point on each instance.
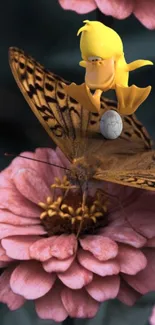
(49, 172)
(17, 247)
(3, 256)
(31, 185)
(103, 288)
(81, 7)
(78, 303)
(131, 260)
(9, 230)
(7, 296)
(144, 225)
(41, 249)
(64, 246)
(55, 265)
(50, 306)
(87, 260)
(30, 280)
(76, 276)
(145, 12)
(12, 199)
(127, 295)
(144, 281)
(101, 247)
(61, 247)
(119, 9)
(124, 234)
(45, 171)
(64, 161)
(20, 162)
(5, 179)
(12, 219)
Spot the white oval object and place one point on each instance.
(111, 125)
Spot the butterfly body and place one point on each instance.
(127, 160)
(82, 170)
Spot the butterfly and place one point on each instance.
(128, 160)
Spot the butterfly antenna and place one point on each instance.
(37, 160)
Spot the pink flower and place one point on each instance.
(44, 260)
(144, 10)
(152, 317)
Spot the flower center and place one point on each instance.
(68, 213)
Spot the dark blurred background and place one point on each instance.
(47, 32)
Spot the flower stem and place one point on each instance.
(107, 20)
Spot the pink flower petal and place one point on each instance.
(31, 185)
(144, 281)
(7, 296)
(80, 6)
(3, 256)
(64, 246)
(47, 172)
(55, 265)
(30, 280)
(101, 247)
(64, 161)
(150, 242)
(20, 162)
(144, 225)
(54, 159)
(119, 9)
(127, 295)
(5, 179)
(131, 260)
(4, 264)
(79, 304)
(12, 200)
(152, 317)
(145, 12)
(50, 306)
(102, 289)
(17, 247)
(9, 230)
(12, 219)
(124, 234)
(76, 276)
(41, 249)
(61, 247)
(87, 260)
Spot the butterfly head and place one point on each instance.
(81, 171)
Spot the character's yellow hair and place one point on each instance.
(99, 40)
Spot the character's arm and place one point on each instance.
(137, 64)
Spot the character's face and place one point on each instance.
(100, 73)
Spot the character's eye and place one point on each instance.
(94, 58)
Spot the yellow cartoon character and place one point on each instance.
(106, 68)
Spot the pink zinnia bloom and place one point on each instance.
(44, 260)
(152, 317)
(144, 10)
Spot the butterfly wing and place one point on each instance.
(136, 170)
(128, 160)
(62, 117)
